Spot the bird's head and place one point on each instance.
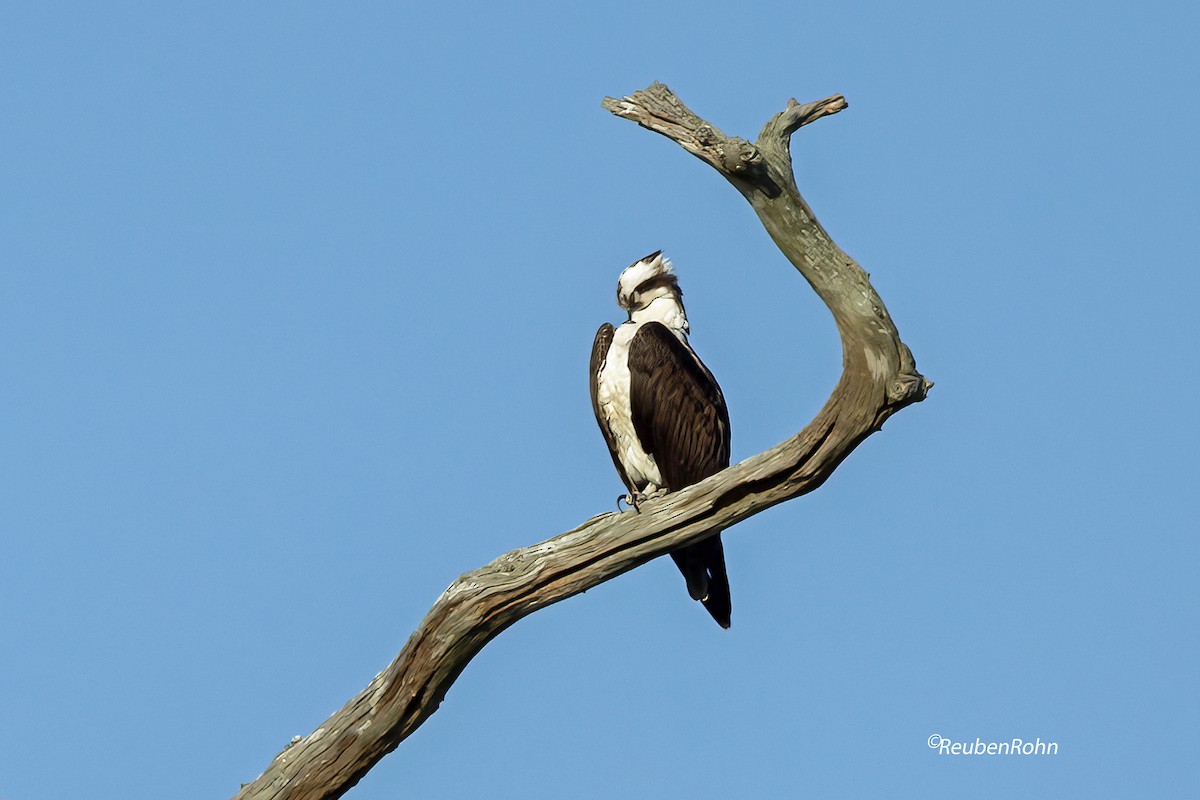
(645, 281)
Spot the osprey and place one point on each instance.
(662, 412)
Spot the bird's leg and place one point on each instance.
(624, 498)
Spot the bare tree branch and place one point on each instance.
(879, 378)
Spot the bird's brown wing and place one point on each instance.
(680, 416)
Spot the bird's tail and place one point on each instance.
(703, 566)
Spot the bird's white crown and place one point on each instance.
(652, 266)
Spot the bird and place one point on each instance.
(662, 412)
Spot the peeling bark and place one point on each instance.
(879, 378)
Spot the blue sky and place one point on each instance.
(296, 302)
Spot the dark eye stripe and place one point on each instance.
(658, 281)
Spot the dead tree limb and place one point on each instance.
(879, 378)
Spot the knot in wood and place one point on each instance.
(908, 387)
(513, 562)
(740, 156)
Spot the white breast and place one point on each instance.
(612, 392)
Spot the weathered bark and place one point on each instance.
(879, 378)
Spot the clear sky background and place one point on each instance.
(296, 303)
